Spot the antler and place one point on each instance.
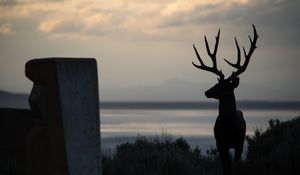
(214, 68)
(241, 68)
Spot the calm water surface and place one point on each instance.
(121, 125)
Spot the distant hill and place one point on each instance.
(20, 100)
(13, 100)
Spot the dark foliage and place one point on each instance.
(275, 151)
(272, 152)
(160, 156)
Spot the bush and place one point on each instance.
(276, 150)
(159, 156)
(272, 152)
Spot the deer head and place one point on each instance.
(226, 86)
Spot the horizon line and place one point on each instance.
(251, 105)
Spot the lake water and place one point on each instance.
(195, 125)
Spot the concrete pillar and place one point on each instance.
(65, 96)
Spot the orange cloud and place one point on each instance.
(6, 29)
(148, 18)
(49, 25)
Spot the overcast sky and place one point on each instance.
(144, 47)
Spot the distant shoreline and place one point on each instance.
(20, 100)
(249, 105)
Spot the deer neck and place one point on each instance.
(227, 106)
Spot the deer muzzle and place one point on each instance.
(208, 94)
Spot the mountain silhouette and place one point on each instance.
(13, 100)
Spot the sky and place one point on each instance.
(144, 47)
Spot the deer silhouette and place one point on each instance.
(230, 126)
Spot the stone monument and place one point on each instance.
(66, 139)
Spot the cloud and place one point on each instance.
(153, 39)
(7, 2)
(238, 12)
(6, 29)
(60, 26)
(147, 18)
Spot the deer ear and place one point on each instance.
(235, 82)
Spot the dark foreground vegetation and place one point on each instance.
(160, 156)
(275, 151)
(271, 152)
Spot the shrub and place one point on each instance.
(276, 150)
(159, 156)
